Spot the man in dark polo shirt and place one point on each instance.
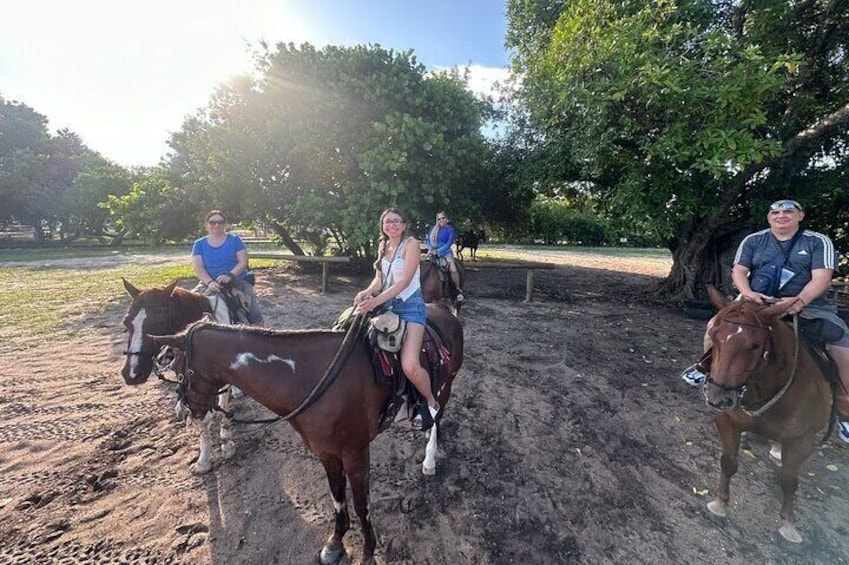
(806, 278)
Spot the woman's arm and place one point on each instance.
(412, 256)
(200, 270)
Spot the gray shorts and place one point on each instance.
(829, 315)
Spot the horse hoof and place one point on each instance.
(789, 532)
(329, 556)
(197, 469)
(228, 450)
(775, 454)
(429, 471)
(717, 508)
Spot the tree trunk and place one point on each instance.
(703, 255)
(286, 239)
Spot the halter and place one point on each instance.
(157, 370)
(742, 388)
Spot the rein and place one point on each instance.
(331, 373)
(772, 401)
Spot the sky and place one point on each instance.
(124, 75)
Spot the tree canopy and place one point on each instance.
(321, 141)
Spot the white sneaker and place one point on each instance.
(843, 431)
(693, 376)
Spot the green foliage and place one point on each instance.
(154, 210)
(556, 221)
(683, 115)
(324, 140)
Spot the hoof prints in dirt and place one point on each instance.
(100, 553)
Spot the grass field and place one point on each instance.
(45, 291)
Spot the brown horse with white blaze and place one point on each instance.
(165, 311)
(323, 383)
(763, 380)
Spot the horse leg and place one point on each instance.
(730, 437)
(794, 453)
(228, 446)
(203, 464)
(429, 463)
(334, 549)
(357, 469)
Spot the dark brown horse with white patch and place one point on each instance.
(764, 380)
(165, 311)
(437, 286)
(323, 383)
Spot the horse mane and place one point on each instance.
(256, 330)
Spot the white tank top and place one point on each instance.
(393, 270)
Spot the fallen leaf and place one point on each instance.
(831, 467)
(700, 492)
(750, 454)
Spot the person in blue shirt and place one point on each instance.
(220, 259)
(439, 241)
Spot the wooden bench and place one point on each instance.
(303, 259)
(531, 266)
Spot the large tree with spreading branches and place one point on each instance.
(688, 116)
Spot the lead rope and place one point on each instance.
(789, 382)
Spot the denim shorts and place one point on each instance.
(412, 310)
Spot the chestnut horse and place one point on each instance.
(764, 380)
(165, 311)
(437, 286)
(323, 383)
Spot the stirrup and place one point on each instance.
(693, 376)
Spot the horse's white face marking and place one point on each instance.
(738, 332)
(245, 359)
(136, 341)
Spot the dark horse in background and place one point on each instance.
(437, 286)
(166, 311)
(469, 240)
(764, 379)
(323, 383)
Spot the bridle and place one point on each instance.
(157, 370)
(742, 388)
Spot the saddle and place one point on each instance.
(387, 371)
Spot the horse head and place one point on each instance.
(149, 313)
(743, 334)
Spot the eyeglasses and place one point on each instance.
(392, 222)
(216, 222)
(785, 205)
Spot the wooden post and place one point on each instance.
(529, 288)
(323, 277)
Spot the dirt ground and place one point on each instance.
(569, 439)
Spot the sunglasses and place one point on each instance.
(216, 222)
(785, 205)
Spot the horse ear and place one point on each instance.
(778, 310)
(716, 297)
(131, 290)
(170, 288)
